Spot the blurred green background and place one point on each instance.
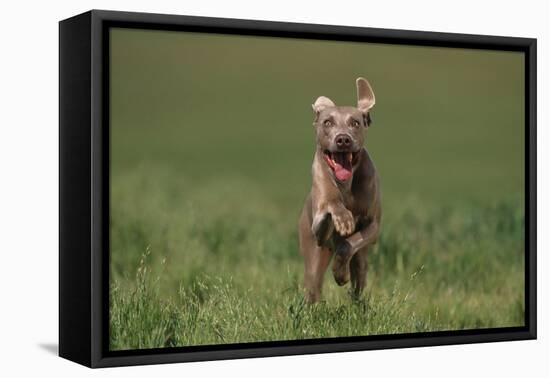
(211, 149)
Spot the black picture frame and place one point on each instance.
(84, 187)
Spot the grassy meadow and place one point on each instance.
(211, 149)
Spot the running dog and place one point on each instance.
(341, 215)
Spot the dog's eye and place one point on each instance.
(327, 123)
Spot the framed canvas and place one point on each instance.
(234, 188)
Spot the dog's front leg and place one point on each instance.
(332, 217)
(346, 248)
(362, 238)
(322, 227)
(343, 219)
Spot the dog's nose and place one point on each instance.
(343, 140)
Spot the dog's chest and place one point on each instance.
(356, 202)
(352, 203)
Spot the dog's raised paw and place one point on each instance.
(344, 223)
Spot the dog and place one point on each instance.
(341, 215)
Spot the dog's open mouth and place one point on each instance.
(341, 163)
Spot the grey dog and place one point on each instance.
(342, 212)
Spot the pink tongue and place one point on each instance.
(342, 173)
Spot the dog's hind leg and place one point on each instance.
(346, 249)
(316, 264)
(358, 269)
(316, 257)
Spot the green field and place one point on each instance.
(211, 149)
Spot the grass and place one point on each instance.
(229, 271)
(211, 147)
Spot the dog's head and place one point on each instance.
(340, 130)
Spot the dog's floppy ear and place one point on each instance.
(365, 97)
(320, 104)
